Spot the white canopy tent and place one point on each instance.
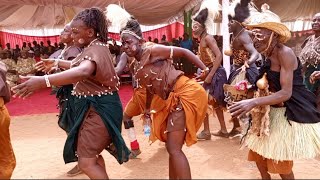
(47, 17)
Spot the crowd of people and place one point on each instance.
(277, 101)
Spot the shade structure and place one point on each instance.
(56, 13)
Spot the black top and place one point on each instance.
(302, 106)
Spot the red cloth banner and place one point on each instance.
(171, 31)
(18, 39)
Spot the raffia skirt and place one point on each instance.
(287, 141)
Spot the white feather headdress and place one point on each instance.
(119, 17)
(213, 7)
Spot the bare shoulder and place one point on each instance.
(157, 49)
(287, 57)
(245, 37)
(209, 37)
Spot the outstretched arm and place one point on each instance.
(46, 65)
(288, 63)
(163, 52)
(122, 63)
(248, 45)
(83, 71)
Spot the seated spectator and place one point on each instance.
(187, 66)
(186, 42)
(156, 40)
(43, 50)
(25, 64)
(175, 42)
(8, 48)
(56, 47)
(36, 50)
(164, 41)
(50, 48)
(29, 46)
(25, 47)
(16, 53)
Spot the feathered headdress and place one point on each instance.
(239, 10)
(213, 7)
(119, 18)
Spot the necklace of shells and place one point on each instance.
(75, 62)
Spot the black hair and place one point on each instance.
(95, 18)
(242, 11)
(202, 17)
(134, 26)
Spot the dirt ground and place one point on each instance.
(38, 143)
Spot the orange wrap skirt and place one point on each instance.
(137, 104)
(194, 100)
(7, 158)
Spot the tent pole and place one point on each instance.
(226, 35)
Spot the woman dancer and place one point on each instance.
(98, 108)
(186, 100)
(65, 99)
(137, 104)
(310, 58)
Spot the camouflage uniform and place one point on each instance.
(12, 78)
(26, 66)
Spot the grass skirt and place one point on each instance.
(286, 142)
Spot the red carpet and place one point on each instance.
(42, 102)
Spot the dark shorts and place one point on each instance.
(93, 136)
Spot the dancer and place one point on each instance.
(310, 58)
(243, 52)
(65, 99)
(211, 56)
(97, 103)
(7, 158)
(186, 100)
(137, 104)
(294, 127)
